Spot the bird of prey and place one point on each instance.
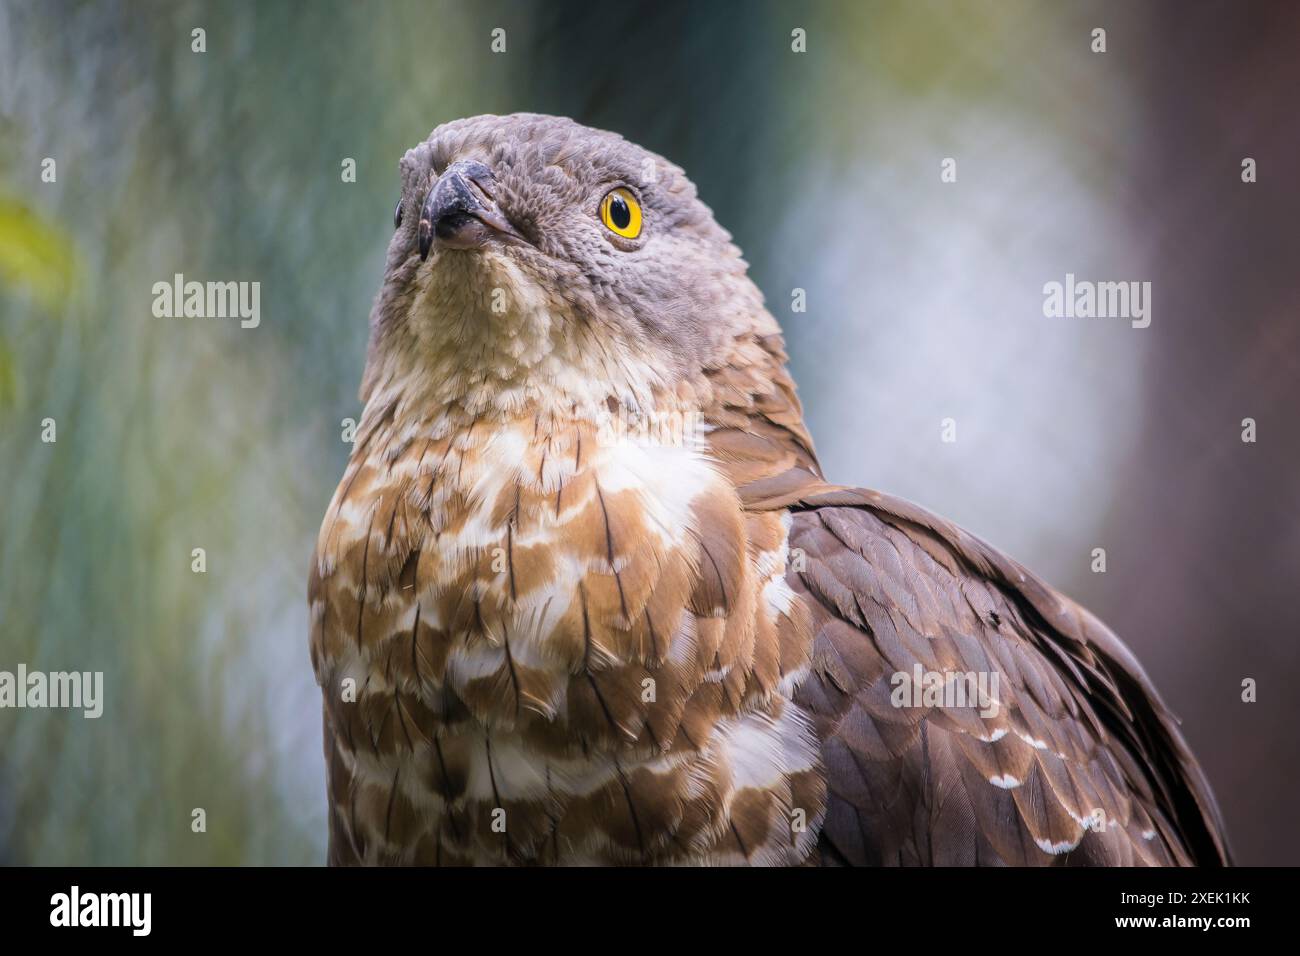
(584, 597)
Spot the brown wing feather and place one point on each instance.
(1081, 764)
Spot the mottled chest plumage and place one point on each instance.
(556, 641)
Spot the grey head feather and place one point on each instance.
(678, 293)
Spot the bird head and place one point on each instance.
(538, 260)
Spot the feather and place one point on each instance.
(1083, 738)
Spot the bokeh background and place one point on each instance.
(924, 302)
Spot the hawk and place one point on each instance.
(583, 595)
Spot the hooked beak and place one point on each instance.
(460, 211)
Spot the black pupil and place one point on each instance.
(397, 215)
(619, 214)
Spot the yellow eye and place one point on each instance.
(621, 213)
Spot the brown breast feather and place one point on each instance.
(550, 661)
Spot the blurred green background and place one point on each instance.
(924, 302)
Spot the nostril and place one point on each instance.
(480, 191)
